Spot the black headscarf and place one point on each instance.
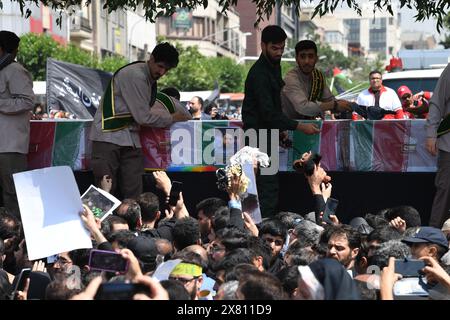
(336, 281)
(9, 41)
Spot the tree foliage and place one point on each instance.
(196, 72)
(35, 49)
(425, 9)
(446, 41)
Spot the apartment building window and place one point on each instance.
(113, 17)
(287, 11)
(102, 11)
(354, 29)
(198, 27)
(334, 37)
(391, 21)
(377, 35)
(121, 18)
(208, 25)
(377, 23)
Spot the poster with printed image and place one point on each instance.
(100, 202)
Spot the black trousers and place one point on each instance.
(125, 165)
(10, 163)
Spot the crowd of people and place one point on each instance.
(218, 251)
(222, 254)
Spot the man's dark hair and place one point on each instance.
(9, 225)
(353, 236)
(122, 237)
(239, 271)
(149, 204)
(190, 257)
(273, 34)
(209, 205)
(200, 100)
(175, 289)
(364, 291)
(80, 257)
(5, 286)
(262, 286)
(107, 224)
(374, 72)
(220, 219)
(233, 258)
(259, 247)
(289, 219)
(232, 238)
(289, 279)
(273, 227)
(185, 232)
(305, 45)
(384, 234)
(307, 233)
(392, 248)
(9, 41)
(376, 220)
(300, 256)
(58, 290)
(407, 213)
(131, 214)
(172, 92)
(166, 53)
(2, 252)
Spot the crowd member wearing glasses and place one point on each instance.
(378, 102)
(189, 273)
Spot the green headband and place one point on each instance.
(187, 269)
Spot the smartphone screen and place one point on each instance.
(119, 291)
(175, 193)
(409, 267)
(330, 209)
(107, 261)
(21, 281)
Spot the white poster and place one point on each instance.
(50, 204)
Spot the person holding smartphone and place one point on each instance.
(320, 184)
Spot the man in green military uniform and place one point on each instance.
(261, 108)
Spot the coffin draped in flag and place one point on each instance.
(59, 143)
(74, 88)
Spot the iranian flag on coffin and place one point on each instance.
(419, 159)
(389, 145)
(178, 148)
(331, 143)
(58, 143)
(378, 145)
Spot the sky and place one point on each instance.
(408, 23)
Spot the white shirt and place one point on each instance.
(388, 99)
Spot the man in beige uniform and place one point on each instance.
(305, 94)
(16, 102)
(126, 104)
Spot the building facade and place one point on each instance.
(42, 20)
(373, 34)
(214, 33)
